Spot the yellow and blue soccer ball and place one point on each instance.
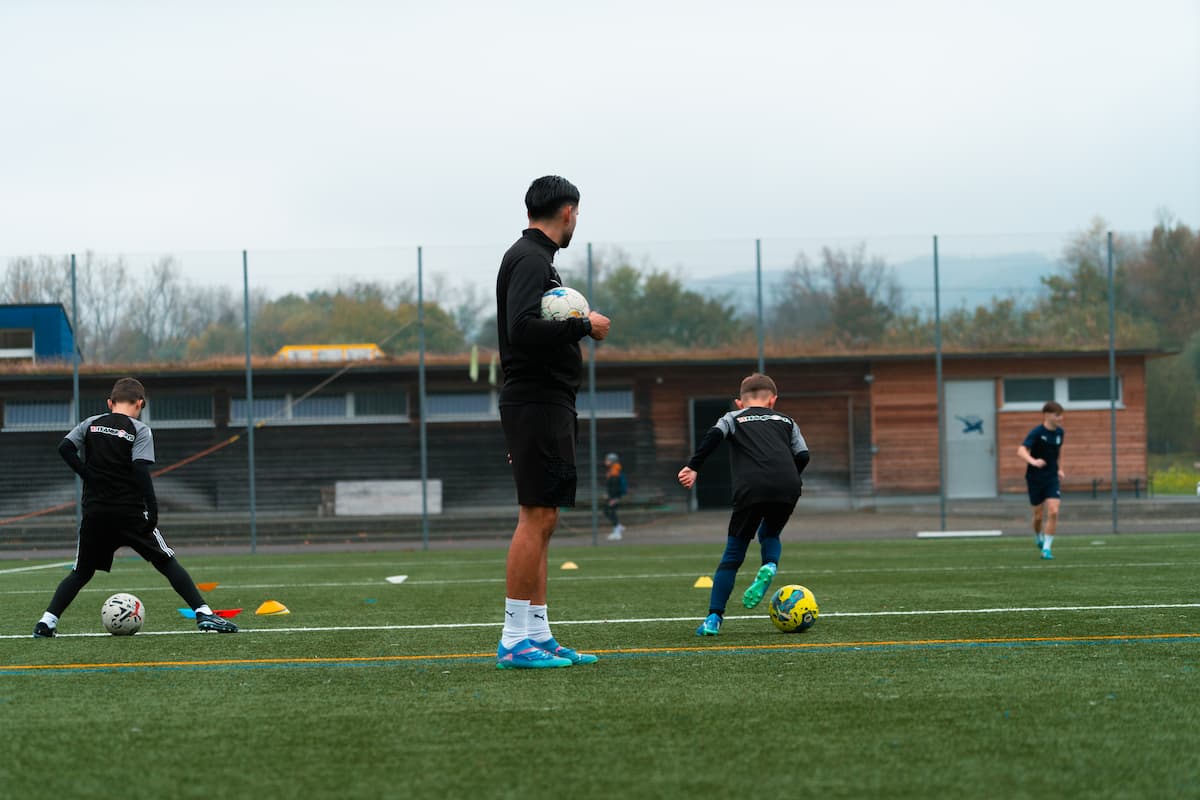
(793, 609)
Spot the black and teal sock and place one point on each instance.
(771, 549)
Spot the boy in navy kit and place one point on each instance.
(769, 454)
(1040, 452)
(119, 506)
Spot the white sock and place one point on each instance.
(539, 623)
(204, 609)
(1046, 540)
(516, 614)
(50, 619)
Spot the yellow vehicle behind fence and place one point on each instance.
(329, 352)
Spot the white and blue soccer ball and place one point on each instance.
(563, 302)
(122, 614)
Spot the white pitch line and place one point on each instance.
(39, 566)
(648, 620)
(786, 575)
(200, 562)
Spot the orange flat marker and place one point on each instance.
(272, 607)
(207, 587)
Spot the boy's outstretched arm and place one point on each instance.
(710, 442)
(708, 445)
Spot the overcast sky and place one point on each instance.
(149, 126)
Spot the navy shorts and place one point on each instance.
(541, 444)
(1041, 492)
(102, 534)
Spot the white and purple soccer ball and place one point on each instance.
(563, 302)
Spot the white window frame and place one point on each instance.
(196, 422)
(493, 412)
(21, 353)
(606, 414)
(65, 425)
(1061, 393)
(371, 419)
(491, 415)
(289, 403)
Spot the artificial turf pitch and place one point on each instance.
(937, 669)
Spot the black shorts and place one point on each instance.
(770, 517)
(1040, 492)
(101, 534)
(541, 444)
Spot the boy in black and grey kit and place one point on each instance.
(119, 506)
(769, 454)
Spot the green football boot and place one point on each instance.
(762, 582)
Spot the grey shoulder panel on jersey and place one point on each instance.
(726, 424)
(143, 441)
(77, 433)
(798, 443)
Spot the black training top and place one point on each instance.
(110, 445)
(768, 454)
(1043, 443)
(541, 358)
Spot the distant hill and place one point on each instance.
(968, 282)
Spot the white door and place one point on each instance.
(970, 433)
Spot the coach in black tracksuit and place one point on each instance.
(542, 365)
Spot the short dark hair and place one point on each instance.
(1052, 408)
(548, 194)
(753, 384)
(127, 390)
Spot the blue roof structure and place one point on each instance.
(53, 337)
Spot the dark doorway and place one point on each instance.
(714, 485)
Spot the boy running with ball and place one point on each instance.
(769, 454)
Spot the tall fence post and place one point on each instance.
(941, 394)
(1112, 376)
(249, 405)
(421, 398)
(762, 324)
(75, 385)
(593, 434)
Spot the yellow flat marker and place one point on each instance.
(703, 582)
(207, 587)
(570, 565)
(272, 607)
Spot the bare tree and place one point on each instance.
(102, 287)
(848, 298)
(37, 279)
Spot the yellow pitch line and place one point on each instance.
(618, 651)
